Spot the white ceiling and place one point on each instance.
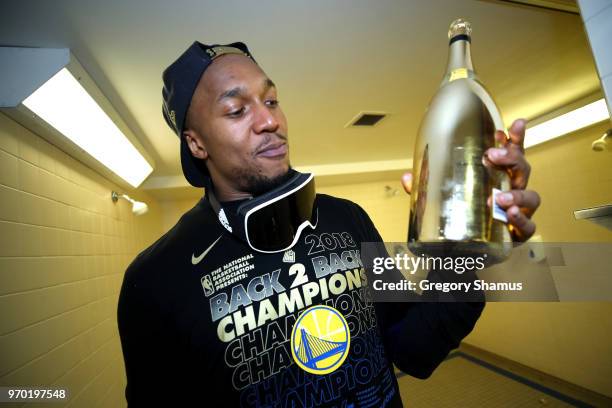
(329, 59)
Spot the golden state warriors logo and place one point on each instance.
(320, 340)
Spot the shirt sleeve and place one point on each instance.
(418, 335)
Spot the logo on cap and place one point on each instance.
(215, 52)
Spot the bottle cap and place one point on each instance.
(459, 27)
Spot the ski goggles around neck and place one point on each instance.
(273, 221)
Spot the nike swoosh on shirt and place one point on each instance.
(197, 259)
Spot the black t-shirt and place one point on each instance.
(202, 318)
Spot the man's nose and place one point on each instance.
(265, 120)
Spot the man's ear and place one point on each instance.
(196, 144)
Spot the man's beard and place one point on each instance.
(257, 184)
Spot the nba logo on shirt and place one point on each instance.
(207, 285)
(289, 256)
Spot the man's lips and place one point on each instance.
(274, 150)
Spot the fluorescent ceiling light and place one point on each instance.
(569, 122)
(48, 92)
(64, 104)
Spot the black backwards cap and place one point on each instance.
(180, 81)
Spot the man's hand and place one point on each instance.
(519, 203)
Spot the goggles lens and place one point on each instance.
(275, 226)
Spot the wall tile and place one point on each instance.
(28, 148)
(49, 241)
(31, 240)
(47, 155)
(28, 177)
(19, 274)
(96, 223)
(73, 217)
(8, 170)
(88, 221)
(9, 131)
(62, 169)
(63, 215)
(31, 209)
(47, 185)
(11, 239)
(10, 199)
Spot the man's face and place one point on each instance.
(237, 126)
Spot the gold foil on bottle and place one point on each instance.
(459, 27)
(458, 74)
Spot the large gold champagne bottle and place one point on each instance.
(451, 185)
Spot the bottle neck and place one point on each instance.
(459, 55)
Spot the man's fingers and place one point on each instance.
(407, 182)
(527, 200)
(522, 227)
(501, 138)
(513, 160)
(516, 132)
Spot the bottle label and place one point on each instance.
(458, 73)
(498, 212)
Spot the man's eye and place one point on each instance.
(272, 102)
(236, 113)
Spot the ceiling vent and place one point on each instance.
(366, 119)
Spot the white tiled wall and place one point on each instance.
(64, 246)
(597, 16)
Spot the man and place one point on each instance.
(207, 317)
